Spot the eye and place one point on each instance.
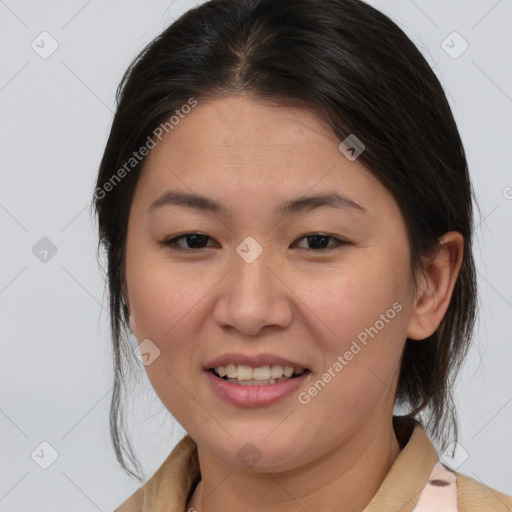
(193, 241)
(318, 240)
(196, 241)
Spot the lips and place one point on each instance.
(255, 395)
(254, 361)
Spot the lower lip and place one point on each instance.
(255, 396)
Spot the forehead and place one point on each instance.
(236, 148)
(240, 127)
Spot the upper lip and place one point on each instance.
(255, 361)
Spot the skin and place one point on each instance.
(294, 300)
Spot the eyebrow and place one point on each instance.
(299, 204)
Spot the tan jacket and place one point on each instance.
(416, 482)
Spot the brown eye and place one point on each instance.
(196, 241)
(193, 241)
(318, 242)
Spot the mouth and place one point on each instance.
(259, 376)
(245, 386)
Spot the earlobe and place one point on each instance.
(435, 290)
(132, 323)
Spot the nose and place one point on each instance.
(254, 296)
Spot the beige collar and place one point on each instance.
(170, 487)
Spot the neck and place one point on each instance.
(346, 478)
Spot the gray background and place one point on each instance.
(55, 373)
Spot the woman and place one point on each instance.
(285, 206)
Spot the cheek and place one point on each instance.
(166, 304)
(360, 315)
(160, 291)
(352, 297)
(165, 300)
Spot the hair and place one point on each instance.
(357, 71)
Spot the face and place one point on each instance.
(325, 286)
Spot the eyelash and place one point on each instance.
(172, 243)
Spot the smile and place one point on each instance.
(255, 392)
(259, 376)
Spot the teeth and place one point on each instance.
(261, 373)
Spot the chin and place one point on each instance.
(258, 453)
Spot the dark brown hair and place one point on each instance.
(362, 75)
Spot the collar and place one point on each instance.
(170, 487)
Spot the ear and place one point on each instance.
(436, 287)
(132, 324)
